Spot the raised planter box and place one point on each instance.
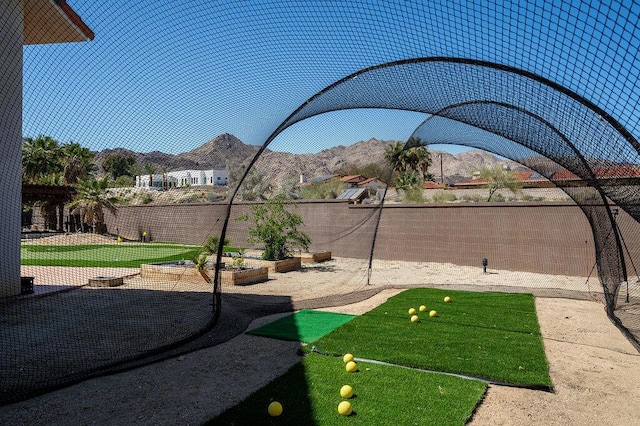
(317, 257)
(172, 272)
(188, 273)
(284, 265)
(252, 275)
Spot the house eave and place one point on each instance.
(53, 21)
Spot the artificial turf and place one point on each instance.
(105, 255)
(303, 326)
(495, 336)
(383, 395)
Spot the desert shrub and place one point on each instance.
(413, 195)
(473, 198)
(146, 198)
(328, 189)
(443, 196)
(527, 197)
(123, 182)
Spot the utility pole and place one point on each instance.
(441, 174)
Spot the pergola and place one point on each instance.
(58, 195)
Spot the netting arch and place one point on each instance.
(549, 123)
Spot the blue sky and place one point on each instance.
(170, 75)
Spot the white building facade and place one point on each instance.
(183, 178)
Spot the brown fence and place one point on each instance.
(544, 237)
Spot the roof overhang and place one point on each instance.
(53, 21)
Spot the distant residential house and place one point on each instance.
(433, 185)
(621, 175)
(526, 179)
(183, 178)
(352, 181)
(372, 185)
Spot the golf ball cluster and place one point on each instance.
(346, 391)
(433, 313)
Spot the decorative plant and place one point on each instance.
(276, 228)
(210, 247)
(238, 261)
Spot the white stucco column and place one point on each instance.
(11, 35)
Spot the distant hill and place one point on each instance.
(280, 166)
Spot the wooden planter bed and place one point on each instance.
(284, 265)
(244, 276)
(188, 273)
(317, 257)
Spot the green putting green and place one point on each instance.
(304, 326)
(105, 255)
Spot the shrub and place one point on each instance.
(443, 196)
(276, 228)
(527, 197)
(413, 195)
(473, 198)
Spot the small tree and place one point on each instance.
(276, 228)
(497, 177)
(118, 165)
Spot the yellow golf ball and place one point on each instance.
(351, 366)
(412, 311)
(344, 408)
(447, 299)
(423, 308)
(347, 357)
(414, 318)
(275, 409)
(433, 314)
(346, 391)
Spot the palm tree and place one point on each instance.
(41, 159)
(92, 197)
(77, 163)
(410, 163)
(418, 157)
(395, 156)
(415, 157)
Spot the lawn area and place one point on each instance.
(383, 395)
(495, 336)
(105, 255)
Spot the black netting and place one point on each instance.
(550, 86)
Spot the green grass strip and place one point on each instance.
(495, 336)
(383, 395)
(304, 326)
(105, 255)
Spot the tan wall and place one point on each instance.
(548, 238)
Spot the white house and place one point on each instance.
(22, 22)
(183, 178)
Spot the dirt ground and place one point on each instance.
(594, 369)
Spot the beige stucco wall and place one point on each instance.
(552, 238)
(11, 145)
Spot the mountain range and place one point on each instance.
(280, 166)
